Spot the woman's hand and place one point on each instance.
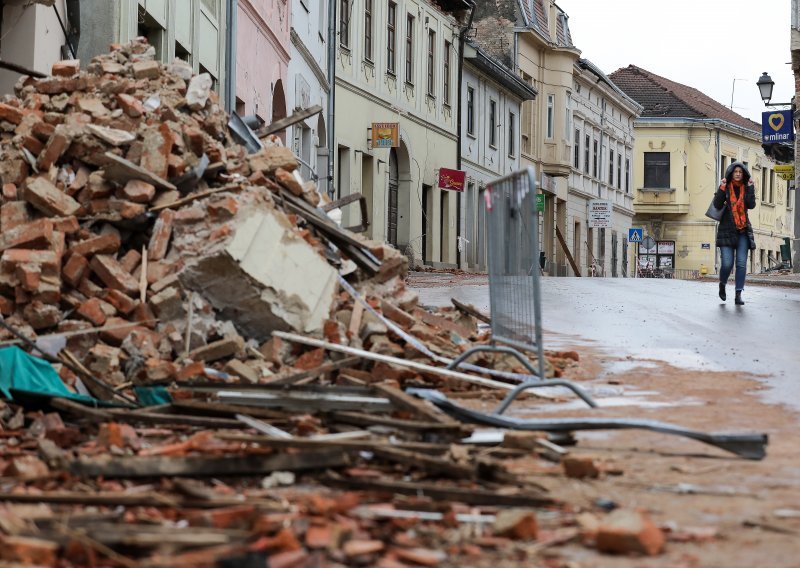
(722, 183)
(750, 182)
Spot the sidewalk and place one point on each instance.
(791, 280)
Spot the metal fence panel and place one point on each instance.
(513, 250)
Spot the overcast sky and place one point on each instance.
(704, 44)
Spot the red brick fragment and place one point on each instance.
(119, 435)
(36, 234)
(92, 311)
(625, 531)
(9, 191)
(25, 551)
(13, 214)
(113, 275)
(107, 243)
(66, 68)
(162, 232)
(75, 269)
(48, 199)
(138, 191)
(10, 114)
(27, 467)
(579, 467)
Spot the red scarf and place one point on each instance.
(738, 209)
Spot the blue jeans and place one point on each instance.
(742, 246)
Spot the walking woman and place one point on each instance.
(734, 233)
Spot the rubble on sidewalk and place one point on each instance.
(159, 258)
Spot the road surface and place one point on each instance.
(678, 321)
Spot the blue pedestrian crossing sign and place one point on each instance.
(634, 235)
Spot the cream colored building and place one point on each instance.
(684, 143)
(600, 205)
(396, 62)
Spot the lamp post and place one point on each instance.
(765, 85)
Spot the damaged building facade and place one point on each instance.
(192, 31)
(32, 37)
(685, 141)
(405, 77)
(262, 59)
(532, 37)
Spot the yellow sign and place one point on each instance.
(785, 171)
(385, 135)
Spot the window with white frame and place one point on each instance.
(576, 151)
(368, 30)
(409, 49)
(431, 63)
(391, 37)
(344, 23)
(470, 111)
(568, 119)
(446, 74)
(512, 133)
(492, 123)
(551, 107)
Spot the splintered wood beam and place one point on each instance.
(419, 407)
(363, 419)
(321, 370)
(471, 311)
(470, 496)
(204, 466)
(285, 123)
(123, 500)
(564, 246)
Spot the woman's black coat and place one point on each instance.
(727, 233)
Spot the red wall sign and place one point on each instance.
(452, 179)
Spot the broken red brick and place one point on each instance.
(625, 531)
(48, 199)
(162, 232)
(139, 191)
(27, 467)
(130, 260)
(113, 275)
(118, 435)
(131, 106)
(310, 360)
(75, 269)
(36, 234)
(92, 311)
(25, 551)
(10, 114)
(9, 191)
(146, 69)
(516, 523)
(13, 214)
(66, 68)
(579, 467)
(156, 148)
(121, 301)
(107, 243)
(53, 150)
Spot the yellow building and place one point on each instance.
(684, 142)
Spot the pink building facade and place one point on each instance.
(262, 58)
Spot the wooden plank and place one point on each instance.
(362, 419)
(426, 462)
(415, 405)
(470, 496)
(306, 402)
(122, 500)
(313, 373)
(564, 246)
(178, 419)
(202, 466)
(284, 123)
(216, 407)
(342, 445)
(122, 171)
(471, 311)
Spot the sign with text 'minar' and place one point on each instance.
(776, 126)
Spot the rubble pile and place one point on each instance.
(154, 258)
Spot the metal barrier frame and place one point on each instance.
(514, 194)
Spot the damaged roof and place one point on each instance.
(661, 97)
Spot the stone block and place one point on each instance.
(264, 277)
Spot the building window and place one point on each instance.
(587, 143)
(610, 167)
(409, 49)
(446, 73)
(431, 62)
(772, 186)
(344, 23)
(526, 120)
(493, 124)
(619, 171)
(656, 169)
(594, 159)
(764, 184)
(368, 30)
(391, 23)
(627, 175)
(512, 133)
(576, 161)
(568, 120)
(470, 111)
(551, 101)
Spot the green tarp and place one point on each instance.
(22, 372)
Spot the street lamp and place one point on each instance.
(765, 85)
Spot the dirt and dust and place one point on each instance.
(717, 510)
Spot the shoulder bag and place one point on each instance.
(713, 212)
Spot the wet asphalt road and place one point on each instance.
(677, 321)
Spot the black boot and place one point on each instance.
(722, 295)
(739, 301)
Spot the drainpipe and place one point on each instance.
(331, 93)
(230, 56)
(462, 37)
